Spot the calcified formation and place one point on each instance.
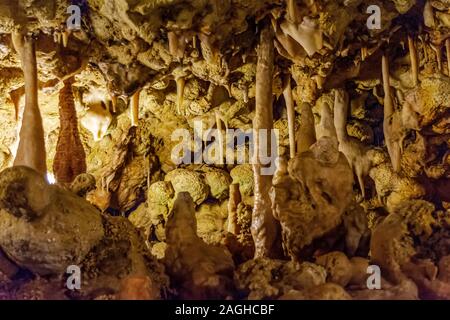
(437, 48)
(201, 270)
(358, 155)
(447, 50)
(264, 226)
(291, 116)
(181, 82)
(310, 195)
(70, 158)
(233, 203)
(31, 150)
(134, 108)
(177, 45)
(307, 34)
(171, 100)
(97, 120)
(307, 134)
(414, 61)
(391, 125)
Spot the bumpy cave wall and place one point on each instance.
(368, 183)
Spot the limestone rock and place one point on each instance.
(184, 180)
(44, 228)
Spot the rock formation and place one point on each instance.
(134, 146)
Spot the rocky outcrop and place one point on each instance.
(44, 228)
(197, 270)
(310, 195)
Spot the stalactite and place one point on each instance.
(177, 45)
(428, 15)
(113, 102)
(414, 61)
(292, 11)
(65, 37)
(364, 53)
(31, 150)
(264, 226)
(181, 83)
(290, 115)
(70, 157)
(307, 133)
(307, 34)
(390, 126)
(245, 95)
(15, 96)
(320, 81)
(220, 136)
(312, 5)
(438, 50)
(233, 202)
(209, 51)
(447, 47)
(286, 46)
(134, 108)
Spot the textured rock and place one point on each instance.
(310, 197)
(160, 192)
(197, 270)
(184, 180)
(218, 181)
(338, 266)
(268, 279)
(44, 228)
(197, 60)
(243, 175)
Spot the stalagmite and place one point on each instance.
(134, 108)
(307, 133)
(414, 61)
(181, 83)
(70, 158)
(31, 150)
(220, 136)
(447, 47)
(358, 155)
(290, 115)
(233, 202)
(390, 123)
(264, 226)
(326, 126)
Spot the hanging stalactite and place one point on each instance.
(390, 125)
(70, 158)
(290, 115)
